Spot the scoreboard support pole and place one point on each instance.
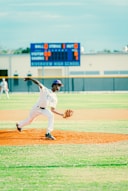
(43, 74)
(66, 78)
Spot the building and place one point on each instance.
(97, 72)
(91, 65)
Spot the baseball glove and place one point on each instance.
(68, 113)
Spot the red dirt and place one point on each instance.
(33, 136)
(36, 136)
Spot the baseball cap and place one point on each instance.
(57, 82)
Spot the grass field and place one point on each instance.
(71, 167)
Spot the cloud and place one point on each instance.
(63, 26)
(115, 2)
(37, 15)
(49, 4)
(25, 17)
(3, 14)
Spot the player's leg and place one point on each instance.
(32, 115)
(6, 91)
(50, 117)
(1, 92)
(50, 127)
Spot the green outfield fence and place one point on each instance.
(116, 83)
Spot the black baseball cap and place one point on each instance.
(57, 82)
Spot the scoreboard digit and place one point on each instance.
(55, 54)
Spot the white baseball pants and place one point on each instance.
(4, 90)
(36, 111)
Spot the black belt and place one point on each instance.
(42, 108)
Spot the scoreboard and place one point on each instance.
(55, 54)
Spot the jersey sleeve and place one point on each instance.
(42, 88)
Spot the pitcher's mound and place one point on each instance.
(36, 136)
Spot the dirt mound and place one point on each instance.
(34, 136)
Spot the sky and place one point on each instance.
(96, 24)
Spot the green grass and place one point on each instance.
(83, 167)
(119, 126)
(88, 101)
(64, 167)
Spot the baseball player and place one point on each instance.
(4, 88)
(47, 98)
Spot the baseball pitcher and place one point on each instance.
(47, 98)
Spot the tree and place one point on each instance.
(26, 51)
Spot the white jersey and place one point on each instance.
(4, 85)
(47, 98)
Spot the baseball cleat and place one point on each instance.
(49, 136)
(18, 128)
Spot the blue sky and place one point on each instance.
(96, 24)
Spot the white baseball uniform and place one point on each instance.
(4, 88)
(47, 98)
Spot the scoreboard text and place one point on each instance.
(55, 54)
